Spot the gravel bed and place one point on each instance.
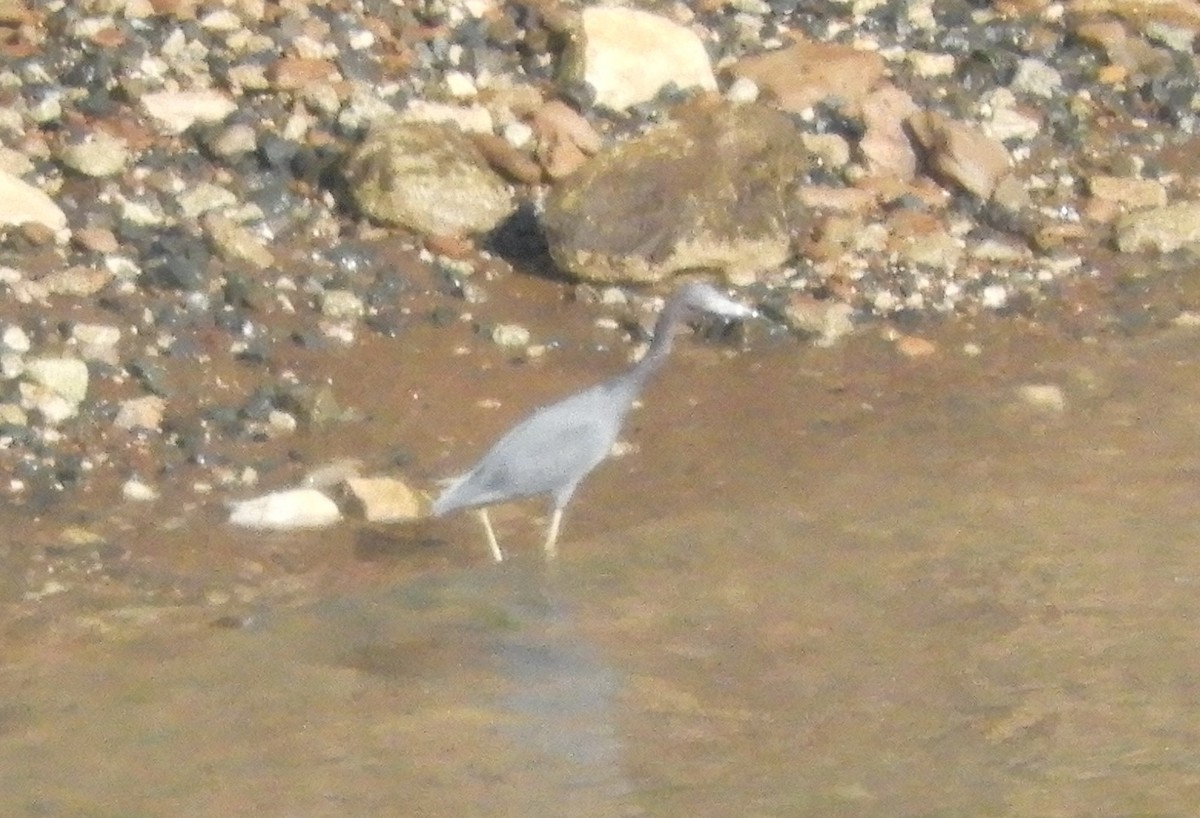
(182, 188)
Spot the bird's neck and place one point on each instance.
(660, 343)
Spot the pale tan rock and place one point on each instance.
(427, 177)
(1135, 194)
(838, 199)
(385, 499)
(914, 346)
(1161, 228)
(100, 155)
(22, 203)
(235, 243)
(79, 282)
(628, 56)
(828, 321)
(145, 412)
(832, 149)
(294, 73)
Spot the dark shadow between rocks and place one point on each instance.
(521, 241)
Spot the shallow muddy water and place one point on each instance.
(825, 583)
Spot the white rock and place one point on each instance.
(137, 491)
(285, 510)
(22, 203)
(517, 134)
(176, 111)
(52, 407)
(475, 119)
(742, 90)
(510, 335)
(994, 296)
(65, 377)
(12, 365)
(1009, 123)
(1037, 78)
(15, 339)
(460, 85)
(628, 56)
(1044, 396)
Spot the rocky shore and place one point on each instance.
(201, 200)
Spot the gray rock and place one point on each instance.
(628, 56)
(427, 177)
(715, 188)
(1161, 228)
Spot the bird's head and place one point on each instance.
(702, 297)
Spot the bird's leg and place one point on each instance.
(551, 546)
(497, 554)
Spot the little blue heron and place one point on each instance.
(555, 447)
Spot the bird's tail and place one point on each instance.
(447, 501)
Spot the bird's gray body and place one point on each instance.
(554, 448)
(549, 452)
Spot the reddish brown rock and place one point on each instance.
(960, 154)
(804, 73)
(293, 73)
(1181, 13)
(885, 145)
(564, 139)
(95, 239)
(506, 159)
